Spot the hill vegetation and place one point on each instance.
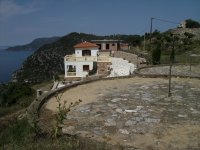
(173, 43)
(192, 24)
(14, 96)
(34, 45)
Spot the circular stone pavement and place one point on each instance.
(136, 112)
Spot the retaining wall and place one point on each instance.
(132, 58)
(128, 56)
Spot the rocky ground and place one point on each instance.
(136, 113)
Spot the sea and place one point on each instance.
(11, 61)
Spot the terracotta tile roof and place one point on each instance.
(85, 45)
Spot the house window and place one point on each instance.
(107, 46)
(113, 44)
(85, 67)
(86, 52)
(71, 68)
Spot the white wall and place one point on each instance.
(103, 46)
(67, 63)
(79, 67)
(94, 52)
(78, 52)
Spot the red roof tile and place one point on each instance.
(85, 45)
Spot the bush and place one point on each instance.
(15, 133)
(156, 54)
(192, 24)
(63, 110)
(14, 93)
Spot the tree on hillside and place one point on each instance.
(156, 53)
(192, 24)
(189, 35)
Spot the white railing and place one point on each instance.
(103, 59)
(88, 58)
(70, 58)
(83, 58)
(71, 73)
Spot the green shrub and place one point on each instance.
(156, 54)
(192, 24)
(13, 93)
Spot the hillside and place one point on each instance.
(34, 45)
(48, 59)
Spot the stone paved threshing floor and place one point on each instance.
(136, 112)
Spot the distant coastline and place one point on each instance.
(3, 47)
(34, 45)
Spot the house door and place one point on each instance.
(107, 46)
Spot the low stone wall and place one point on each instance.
(165, 74)
(37, 104)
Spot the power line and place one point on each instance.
(169, 21)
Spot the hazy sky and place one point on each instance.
(21, 21)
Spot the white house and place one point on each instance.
(84, 60)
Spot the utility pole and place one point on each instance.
(144, 42)
(151, 26)
(151, 31)
(150, 38)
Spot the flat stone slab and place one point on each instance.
(140, 115)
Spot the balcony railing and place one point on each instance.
(71, 73)
(103, 59)
(83, 58)
(70, 58)
(99, 58)
(86, 58)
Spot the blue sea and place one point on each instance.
(10, 61)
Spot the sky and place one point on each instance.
(22, 21)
